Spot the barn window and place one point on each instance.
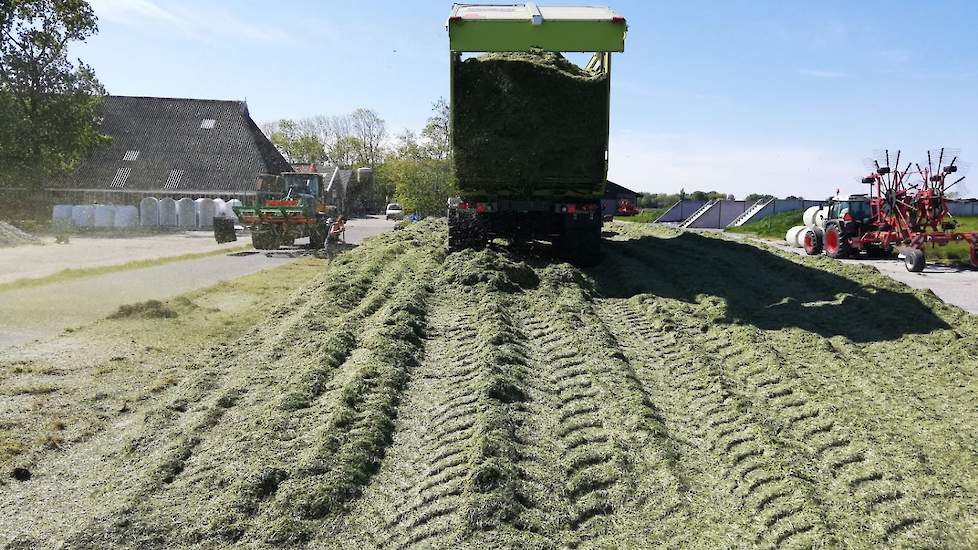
(120, 177)
(173, 179)
(131, 156)
(208, 124)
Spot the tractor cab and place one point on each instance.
(853, 209)
(298, 184)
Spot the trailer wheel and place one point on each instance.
(465, 230)
(836, 243)
(914, 260)
(812, 242)
(579, 243)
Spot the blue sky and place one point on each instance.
(736, 96)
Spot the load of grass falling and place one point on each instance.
(528, 121)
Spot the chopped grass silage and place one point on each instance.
(528, 124)
(411, 398)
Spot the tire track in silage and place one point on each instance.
(762, 486)
(183, 426)
(869, 493)
(881, 479)
(619, 477)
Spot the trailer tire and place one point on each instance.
(466, 231)
(579, 243)
(812, 242)
(914, 260)
(836, 243)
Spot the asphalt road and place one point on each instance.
(42, 311)
(953, 284)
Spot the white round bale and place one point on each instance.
(104, 215)
(231, 205)
(220, 208)
(205, 213)
(61, 213)
(126, 217)
(808, 218)
(149, 212)
(186, 213)
(83, 215)
(820, 217)
(792, 236)
(168, 212)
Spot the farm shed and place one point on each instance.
(163, 147)
(614, 193)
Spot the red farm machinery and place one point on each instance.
(905, 210)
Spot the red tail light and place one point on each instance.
(618, 19)
(480, 207)
(571, 208)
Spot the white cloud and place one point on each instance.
(196, 21)
(131, 12)
(822, 74)
(668, 162)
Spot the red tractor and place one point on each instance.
(894, 216)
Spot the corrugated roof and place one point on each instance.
(164, 143)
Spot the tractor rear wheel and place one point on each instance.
(836, 243)
(264, 239)
(914, 260)
(812, 242)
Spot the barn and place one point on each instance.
(613, 194)
(166, 147)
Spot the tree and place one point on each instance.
(419, 171)
(49, 104)
(754, 197)
(296, 143)
(369, 131)
(436, 132)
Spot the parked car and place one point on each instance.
(395, 212)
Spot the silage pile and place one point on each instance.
(12, 236)
(528, 121)
(691, 392)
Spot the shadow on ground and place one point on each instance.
(760, 288)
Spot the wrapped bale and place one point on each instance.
(529, 124)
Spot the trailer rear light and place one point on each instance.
(617, 19)
(464, 206)
(571, 208)
(480, 208)
(455, 18)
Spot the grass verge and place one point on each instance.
(646, 216)
(771, 227)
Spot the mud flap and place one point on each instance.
(224, 230)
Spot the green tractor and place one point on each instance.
(287, 207)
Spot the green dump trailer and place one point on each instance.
(530, 128)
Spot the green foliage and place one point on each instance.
(48, 104)
(773, 227)
(419, 173)
(646, 216)
(296, 144)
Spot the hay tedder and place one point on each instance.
(905, 210)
